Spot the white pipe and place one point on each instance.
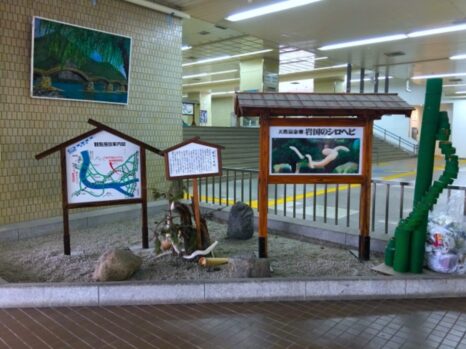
(160, 8)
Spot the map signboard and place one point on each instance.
(103, 167)
(192, 160)
(316, 150)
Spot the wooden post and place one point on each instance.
(145, 226)
(64, 194)
(263, 184)
(364, 208)
(197, 213)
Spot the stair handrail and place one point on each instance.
(409, 145)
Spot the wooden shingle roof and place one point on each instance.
(320, 104)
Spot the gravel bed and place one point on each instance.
(41, 259)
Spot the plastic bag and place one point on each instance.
(446, 238)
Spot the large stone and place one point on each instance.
(116, 265)
(248, 267)
(240, 222)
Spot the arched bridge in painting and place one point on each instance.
(91, 80)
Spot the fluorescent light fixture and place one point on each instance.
(369, 41)
(222, 93)
(265, 10)
(317, 69)
(435, 31)
(454, 85)
(186, 47)
(252, 53)
(433, 76)
(320, 58)
(210, 82)
(460, 92)
(207, 60)
(200, 75)
(223, 58)
(369, 79)
(458, 57)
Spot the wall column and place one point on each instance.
(457, 128)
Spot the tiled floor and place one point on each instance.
(434, 323)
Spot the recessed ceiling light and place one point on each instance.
(394, 54)
(363, 42)
(316, 69)
(200, 75)
(265, 10)
(415, 34)
(454, 85)
(222, 58)
(440, 30)
(463, 56)
(204, 32)
(222, 93)
(432, 76)
(207, 60)
(186, 47)
(210, 82)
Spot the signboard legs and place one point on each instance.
(145, 226)
(64, 193)
(197, 213)
(263, 186)
(364, 207)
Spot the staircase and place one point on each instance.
(242, 145)
(383, 151)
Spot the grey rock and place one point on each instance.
(116, 265)
(240, 222)
(248, 267)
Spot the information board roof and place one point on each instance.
(193, 140)
(370, 105)
(99, 127)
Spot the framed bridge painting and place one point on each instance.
(76, 63)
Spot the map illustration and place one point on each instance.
(103, 167)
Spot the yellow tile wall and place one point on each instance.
(30, 189)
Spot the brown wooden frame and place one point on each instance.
(196, 140)
(320, 109)
(195, 197)
(66, 206)
(364, 179)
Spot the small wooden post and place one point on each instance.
(145, 226)
(197, 213)
(64, 194)
(364, 216)
(263, 185)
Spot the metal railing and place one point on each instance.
(392, 138)
(332, 204)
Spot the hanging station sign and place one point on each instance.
(315, 150)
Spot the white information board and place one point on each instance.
(316, 150)
(193, 159)
(103, 167)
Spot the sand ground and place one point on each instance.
(41, 259)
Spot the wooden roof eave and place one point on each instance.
(196, 140)
(99, 127)
(372, 113)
